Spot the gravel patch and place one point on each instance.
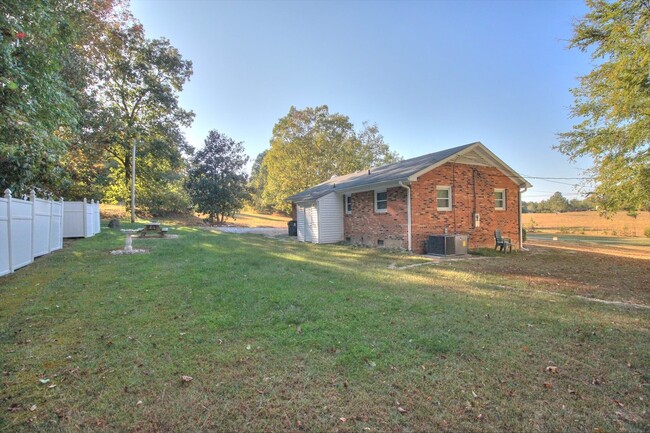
(269, 231)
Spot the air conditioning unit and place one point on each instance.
(447, 245)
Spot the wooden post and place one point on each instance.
(133, 184)
(10, 254)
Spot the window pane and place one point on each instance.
(499, 199)
(443, 198)
(382, 196)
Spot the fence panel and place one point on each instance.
(73, 219)
(42, 212)
(21, 233)
(35, 227)
(56, 226)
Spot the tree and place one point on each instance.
(216, 180)
(45, 56)
(138, 85)
(557, 203)
(613, 103)
(257, 184)
(310, 146)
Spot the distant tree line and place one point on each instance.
(558, 203)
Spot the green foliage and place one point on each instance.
(613, 103)
(558, 203)
(45, 50)
(310, 146)
(138, 84)
(216, 180)
(646, 232)
(259, 176)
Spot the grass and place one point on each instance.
(283, 336)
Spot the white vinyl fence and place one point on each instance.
(28, 229)
(80, 219)
(35, 227)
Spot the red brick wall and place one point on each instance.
(426, 219)
(365, 226)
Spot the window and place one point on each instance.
(347, 203)
(500, 199)
(381, 201)
(443, 197)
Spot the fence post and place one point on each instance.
(92, 216)
(85, 205)
(10, 254)
(60, 240)
(49, 228)
(32, 201)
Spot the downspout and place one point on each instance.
(408, 213)
(521, 228)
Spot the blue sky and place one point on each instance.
(431, 74)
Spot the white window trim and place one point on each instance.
(502, 190)
(444, 188)
(347, 197)
(379, 191)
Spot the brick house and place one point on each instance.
(464, 190)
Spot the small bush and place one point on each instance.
(646, 232)
(524, 234)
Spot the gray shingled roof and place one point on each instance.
(395, 172)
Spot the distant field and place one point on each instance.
(246, 218)
(587, 223)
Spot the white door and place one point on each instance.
(308, 220)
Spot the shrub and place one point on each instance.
(646, 232)
(523, 234)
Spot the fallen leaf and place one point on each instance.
(474, 394)
(299, 330)
(551, 369)
(595, 381)
(572, 391)
(480, 417)
(52, 386)
(186, 379)
(618, 403)
(548, 385)
(343, 419)
(44, 381)
(400, 409)
(139, 403)
(32, 408)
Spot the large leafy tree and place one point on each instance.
(216, 179)
(310, 146)
(613, 103)
(138, 83)
(257, 183)
(45, 56)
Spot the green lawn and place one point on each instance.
(282, 336)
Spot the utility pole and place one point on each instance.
(133, 183)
